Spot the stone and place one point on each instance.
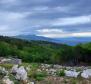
(3, 71)
(21, 74)
(31, 83)
(71, 73)
(57, 66)
(51, 72)
(6, 80)
(15, 61)
(86, 73)
(14, 69)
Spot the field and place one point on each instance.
(45, 74)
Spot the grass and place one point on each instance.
(61, 73)
(7, 66)
(73, 81)
(37, 75)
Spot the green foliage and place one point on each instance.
(33, 70)
(45, 52)
(40, 75)
(61, 73)
(37, 74)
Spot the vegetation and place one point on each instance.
(61, 73)
(40, 75)
(45, 52)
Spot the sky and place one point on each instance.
(48, 18)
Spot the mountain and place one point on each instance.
(67, 40)
(74, 40)
(33, 37)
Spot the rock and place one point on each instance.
(28, 68)
(86, 73)
(45, 66)
(31, 83)
(71, 73)
(57, 66)
(21, 74)
(3, 71)
(52, 72)
(6, 80)
(10, 60)
(39, 70)
(16, 61)
(14, 69)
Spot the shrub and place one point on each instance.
(37, 75)
(40, 75)
(61, 73)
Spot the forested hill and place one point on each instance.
(45, 52)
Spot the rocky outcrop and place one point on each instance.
(72, 73)
(86, 73)
(21, 74)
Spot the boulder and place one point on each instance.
(86, 73)
(71, 73)
(21, 74)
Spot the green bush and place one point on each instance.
(40, 75)
(61, 73)
(37, 75)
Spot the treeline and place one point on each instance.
(45, 52)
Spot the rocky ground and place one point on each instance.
(44, 74)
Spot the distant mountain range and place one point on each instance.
(68, 40)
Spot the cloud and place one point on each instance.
(63, 35)
(82, 34)
(10, 33)
(48, 18)
(13, 15)
(72, 20)
(40, 1)
(48, 9)
(7, 31)
(12, 23)
(50, 31)
(40, 8)
(7, 1)
(3, 28)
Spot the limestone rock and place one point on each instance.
(86, 73)
(21, 74)
(6, 80)
(71, 73)
(14, 69)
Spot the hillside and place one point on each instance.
(67, 40)
(45, 52)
